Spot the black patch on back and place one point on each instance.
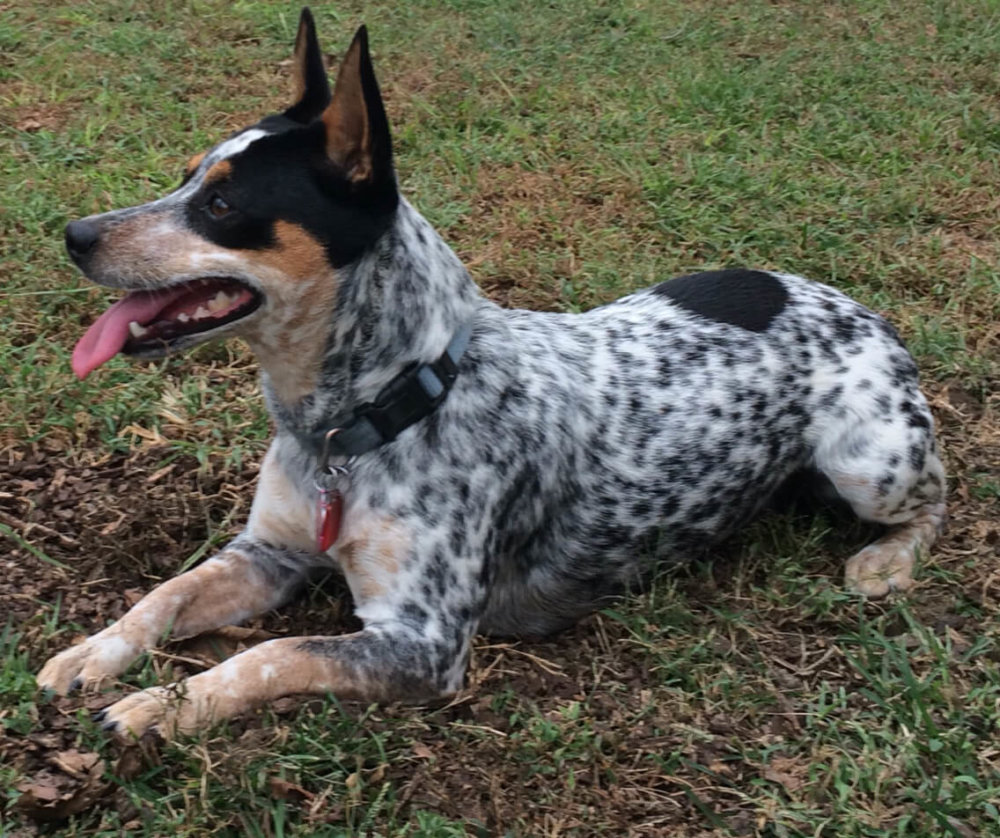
(739, 297)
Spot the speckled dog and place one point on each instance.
(467, 468)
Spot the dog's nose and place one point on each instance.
(81, 236)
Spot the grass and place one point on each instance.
(570, 154)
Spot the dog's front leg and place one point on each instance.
(380, 663)
(229, 588)
(258, 571)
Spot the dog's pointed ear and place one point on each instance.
(357, 130)
(312, 90)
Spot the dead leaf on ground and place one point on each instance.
(421, 751)
(785, 771)
(75, 763)
(53, 796)
(284, 790)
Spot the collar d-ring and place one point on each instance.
(323, 466)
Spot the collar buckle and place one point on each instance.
(411, 396)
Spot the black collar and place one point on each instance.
(409, 397)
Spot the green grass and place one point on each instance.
(570, 153)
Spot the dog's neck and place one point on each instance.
(402, 302)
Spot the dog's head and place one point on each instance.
(252, 240)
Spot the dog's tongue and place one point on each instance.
(107, 336)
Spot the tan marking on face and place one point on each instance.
(296, 253)
(194, 163)
(222, 170)
(371, 552)
(290, 342)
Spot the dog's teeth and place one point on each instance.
(201, 313)
(137, 330)
(220, 301)
(183, 317)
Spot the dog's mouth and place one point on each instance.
(151, 323)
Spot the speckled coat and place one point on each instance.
(574, 454)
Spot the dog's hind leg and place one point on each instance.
(887, 564)
(258, 571)
(381, 663)
(888, 470)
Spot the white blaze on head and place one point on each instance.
(223, 151)
(234, 145)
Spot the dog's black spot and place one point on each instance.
(830, 399)
(915, 418)
(642, 508)
(739, 297)
(456, 540)
(885, 484)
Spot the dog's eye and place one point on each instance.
(218, 207)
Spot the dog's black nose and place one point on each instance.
(81, 236)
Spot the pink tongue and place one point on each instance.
(107, 336)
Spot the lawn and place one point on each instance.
(570, 153)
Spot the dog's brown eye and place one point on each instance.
(218, 207)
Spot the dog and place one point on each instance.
(467, 468)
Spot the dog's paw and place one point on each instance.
(164, 710)
(88, 665)
(880, 569)
(156, 709)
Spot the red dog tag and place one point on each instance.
(329, 508)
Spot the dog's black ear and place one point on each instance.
(312, 90)
(357, 130)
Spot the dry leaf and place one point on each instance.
(56, 797)
(284, 790)
(74, 763)
(40, 791)
(781, 771)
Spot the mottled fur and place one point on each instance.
(574, 454)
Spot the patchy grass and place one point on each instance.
(569, 157)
